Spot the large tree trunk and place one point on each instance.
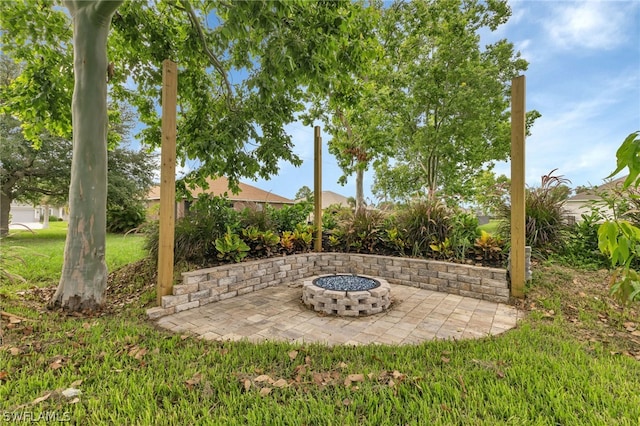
(5, 208)
(84, 273)
(359, 189)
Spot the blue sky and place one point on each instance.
(583, 77)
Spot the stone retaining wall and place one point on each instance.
(205, 286)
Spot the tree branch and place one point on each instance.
(212, 57)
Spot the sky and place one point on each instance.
(583, 77)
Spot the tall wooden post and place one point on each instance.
(518, 129)
(317, 188)
(167, 179)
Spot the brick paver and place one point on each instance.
(277, 313)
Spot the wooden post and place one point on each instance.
(518, 129)
(167, 179)
(317, 188)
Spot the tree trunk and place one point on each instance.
(5, 208)
(84, 273)
(45, 221)
(359, 189)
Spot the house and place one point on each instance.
(248, 195)
(582, 202)
(29, 215)
(330, 198)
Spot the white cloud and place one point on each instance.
(589, 24)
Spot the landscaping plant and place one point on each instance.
(230, 247)
(544, 214)
(422, 223)
(619, 238)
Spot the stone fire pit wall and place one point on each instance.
(206, 286)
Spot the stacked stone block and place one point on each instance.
(205, 286)
(347, 303)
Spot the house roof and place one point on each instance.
(221, 185)
(591, 193)
(330, 197)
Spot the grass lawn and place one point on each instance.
(491, 227)
(574, 359)
(37, 256)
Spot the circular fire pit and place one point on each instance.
(346, 295)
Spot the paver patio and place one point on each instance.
(278, 314)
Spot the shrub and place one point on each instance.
(262, 243)
(423, 224)
(208, 219)
(488, 247)
(544, 215)
(288, 217)
(392, 238)
(463, 234)
(361, 232)
(333, 215)
(122, 219)
(581, 243)
(231, 247)
(256, 216)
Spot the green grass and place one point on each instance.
(491, 227)
(537, 374)
(549, 370)
(41, 252)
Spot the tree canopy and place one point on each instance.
(451, 95)
(240, 80)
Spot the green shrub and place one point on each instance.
(288, 217)
(544, 215)
(261, 243)
(581, 243)
(333, 215)
(392, 238)
(257, 216)
(208, 219)
(463, 234)
(423, 224)
(489, 247)
(121, 219)
(231, 247)
(302, 237)
(361, 232)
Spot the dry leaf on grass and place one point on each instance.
(265, 391)
(193, 381)
(280, 383)
(263, 378)
(353, 378)
(56, 364)
(137, 352)
(4, 375)
(42, 398)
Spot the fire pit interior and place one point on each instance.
(346, 295)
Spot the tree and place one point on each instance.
(356, 112)
(28, 174)
(130, 177)
(452, 96)
(280, 51)
(304, 193)
(490, 192)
